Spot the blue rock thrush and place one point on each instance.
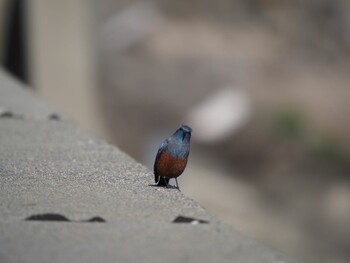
(172, 156)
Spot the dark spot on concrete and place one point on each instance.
(6, 114)
(189, 220)
(96, 219)
(47, 217)
(9, 114)
(54, 117)
(61, 218)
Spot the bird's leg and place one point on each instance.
(177, 184)
(166, 183)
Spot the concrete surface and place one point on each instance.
(52, 166)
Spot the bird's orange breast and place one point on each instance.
(169, 166)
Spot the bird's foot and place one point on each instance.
(171, 186)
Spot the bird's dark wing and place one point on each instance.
(162, 181)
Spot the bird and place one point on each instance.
(172, 156)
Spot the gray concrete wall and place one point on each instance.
(61, 65)
(49, 165)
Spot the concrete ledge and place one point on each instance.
(51, 166)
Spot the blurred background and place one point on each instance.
(263, 83)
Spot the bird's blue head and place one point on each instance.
(183, 133)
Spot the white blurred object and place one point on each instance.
(130, 26)
(220, 115)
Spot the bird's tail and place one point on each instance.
(160, 181)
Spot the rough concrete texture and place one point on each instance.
(52, 166)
